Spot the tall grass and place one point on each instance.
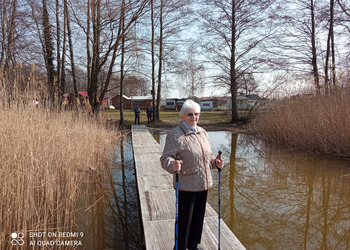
(319, 124)
(46, 156)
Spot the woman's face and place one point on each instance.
(191, 117)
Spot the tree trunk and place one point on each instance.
(62, 84)
(122, 70)
(330, 40)
(326, 66)
(332, 44)
(233, 78)
(71, 52)
(99, 60)
(314, 53)
(95, 64)
(58, 46)
(9, 42)
(160, 60)
(88, 55)
(7, 57)
(48, 53)
(153, 64)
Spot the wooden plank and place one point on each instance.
(157, 200)
(156, 182)
(210, 235)
(159, 234)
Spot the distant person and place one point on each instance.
(36, 103)
(187, 152)
(149, 112)
(137, 112)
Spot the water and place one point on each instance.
(113, 219)
(271, 198)
(274, 198)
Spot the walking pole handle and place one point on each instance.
(219, 157)
(177, 173)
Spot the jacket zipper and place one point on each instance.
(205, 166)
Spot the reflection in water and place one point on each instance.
(112, 220)
(274, 198)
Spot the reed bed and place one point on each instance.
(319, 124)
(46, 156)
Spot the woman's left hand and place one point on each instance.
(219, 163)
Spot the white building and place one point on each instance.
(242, 102)
(206, 105)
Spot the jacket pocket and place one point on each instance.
(190, 171)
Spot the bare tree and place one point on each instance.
(107, 34)
(135, 85)
(307, 44)
(122, 68)
(58, 46)
(62, 37)
(48, 50)
(345, 8)
(160, 61)
(313, 48)
(234, 31)
(345, 20)
(8, 29)
(169, 18)
(8, 12)
(71, 50)
(330, 46)
(248, 84)
(153, 79)
(297, 44)
(192, 71)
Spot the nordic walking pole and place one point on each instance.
(177, 208)
(219, 202)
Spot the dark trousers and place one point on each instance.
(191, 217)
(137, 119)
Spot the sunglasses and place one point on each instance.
(193, 114)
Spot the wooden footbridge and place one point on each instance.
(157, 200)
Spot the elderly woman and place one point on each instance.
(187, 152)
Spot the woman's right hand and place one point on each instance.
(177, 165)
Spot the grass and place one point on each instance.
(46, 156)
(214, 117)
(317, 124)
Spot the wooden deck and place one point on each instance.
(157, 200)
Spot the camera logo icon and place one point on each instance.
(17, 239)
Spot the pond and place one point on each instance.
(271, 198)
(112, 219)
(274, 198)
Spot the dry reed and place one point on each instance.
(317, 124)
(45, 158)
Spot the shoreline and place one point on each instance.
(236, 128)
